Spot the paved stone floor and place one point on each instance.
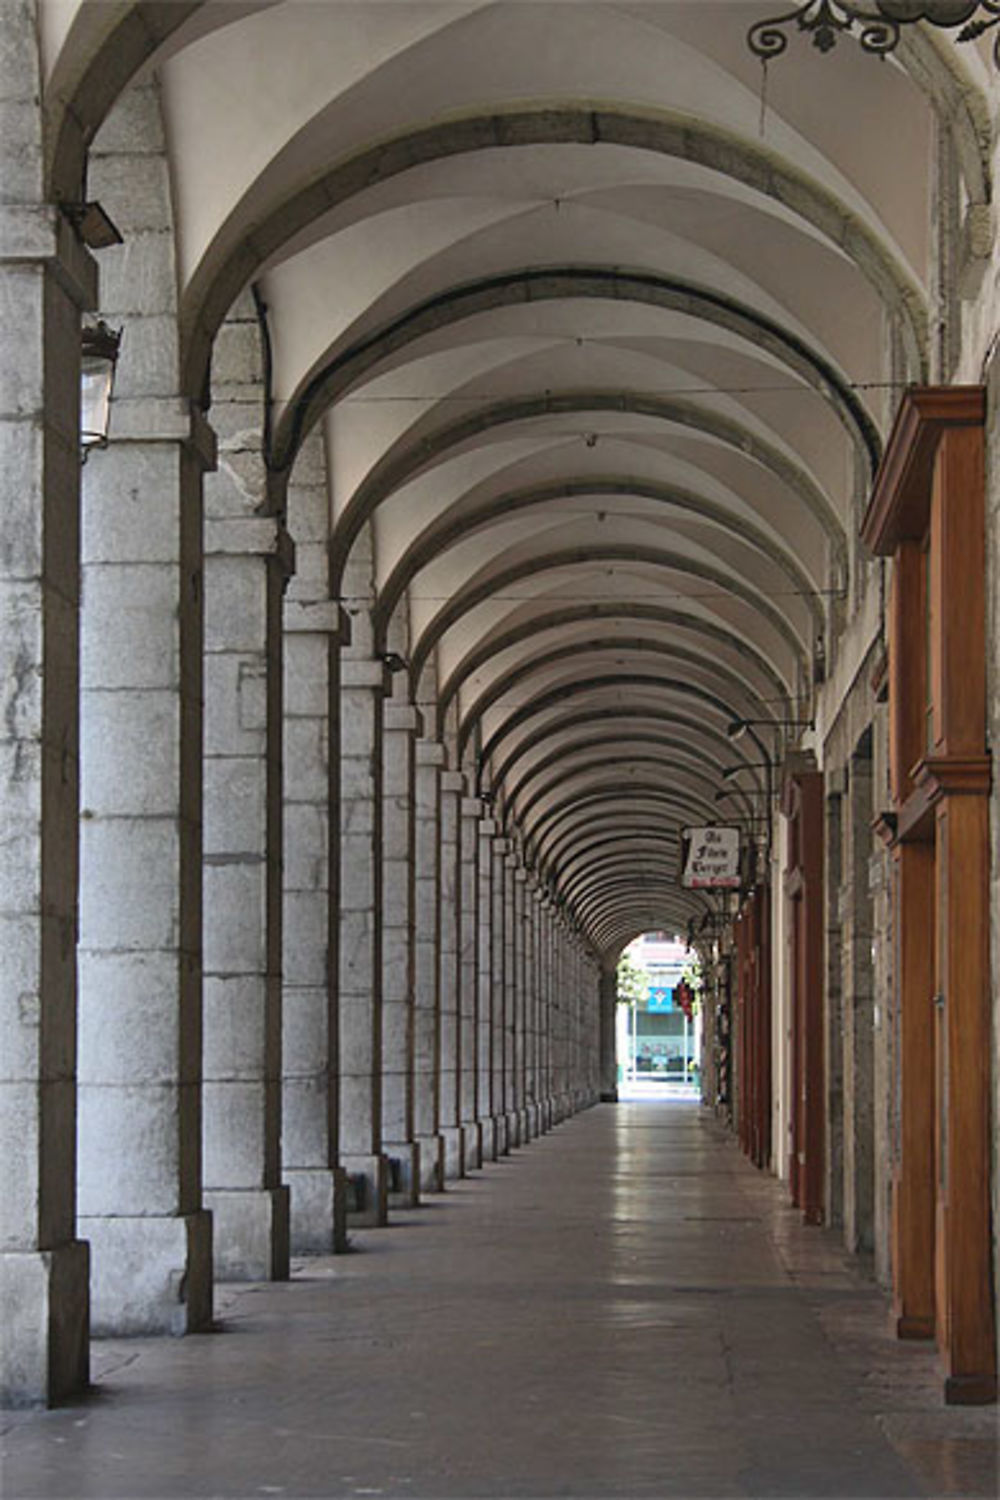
(624, 1308)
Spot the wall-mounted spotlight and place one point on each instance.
(99, 347)
(393, 662)
(93, 225)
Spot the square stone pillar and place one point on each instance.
(522, 1003)
(470, 817)
(451, 786)
(608, 1002)
(499, 970)
(400, 725)
(310, 1084)
(247, 561)
(427, 1037)
(485, 984)
(361, 688)
(46, 277)
(511, 973)
(140, 951)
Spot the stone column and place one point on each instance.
(531, 1007)
(485, 981)
(500, 969)
(400, 723)
(608, 1002)
(470, 814)
(511, 990)
(46, 277)
(451, 785)
(544, 1010)
(247, 560)
(140, 952)
(361, 683)
(427, 1037)
(309, 1036)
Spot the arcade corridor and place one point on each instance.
(624, 1308)
(481, 483)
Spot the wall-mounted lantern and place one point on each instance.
(99, 346)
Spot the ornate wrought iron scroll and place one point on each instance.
(878, 26)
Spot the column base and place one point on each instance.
(318, 1218)
(525, 1116)
(431, 1163)
(489, 1135)
(453, 1142)
(908, 1327)
(609, 1096)
(150, 1275)
(512, 1126)
(404, 1173)
(970, 1390)
(250, 1241)
(473, 1133)
(367, 1191)
(45, 1315)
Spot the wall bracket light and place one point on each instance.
(736, 727)
(99, 347)
(878, 24)
(92, 224)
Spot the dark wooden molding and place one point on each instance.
(900, 503)
(952, 776)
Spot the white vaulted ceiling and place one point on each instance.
(599, 349)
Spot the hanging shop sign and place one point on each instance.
(710, 858)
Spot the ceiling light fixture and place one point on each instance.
(879, 23)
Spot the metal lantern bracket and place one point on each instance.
(99, 346)
(878, 25)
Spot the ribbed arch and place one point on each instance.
(675, 686)
(232, 259)
(427, 443)
(430, 544)
(595, 612)
(320, 389)
(707, 734)
(625, 646)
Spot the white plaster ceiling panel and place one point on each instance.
(596, 343)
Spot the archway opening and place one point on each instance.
(658, 1032)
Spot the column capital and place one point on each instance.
(362, 672)
(242, 536)
(471, 807)
(487, 828)
(313, 617)
(164, 419)
(401, 717)
(431, 753)
(33, 233)
(453, 781)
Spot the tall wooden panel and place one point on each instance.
(802, 803)
(927, 513)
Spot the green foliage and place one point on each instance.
(633, 981)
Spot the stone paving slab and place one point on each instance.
(623, 1308)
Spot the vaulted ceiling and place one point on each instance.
(600, 343)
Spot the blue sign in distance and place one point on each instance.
(660, 998)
